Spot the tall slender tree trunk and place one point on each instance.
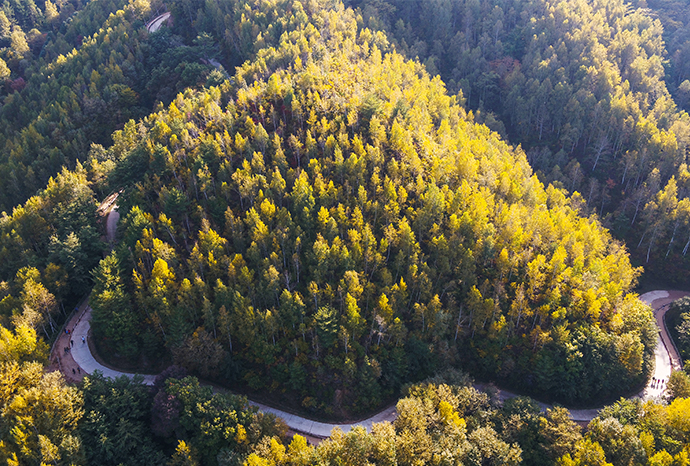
(457, 326)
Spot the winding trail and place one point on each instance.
(157, 22)
(660, 301)
(667, 359)
(83, 357)
(111, 224)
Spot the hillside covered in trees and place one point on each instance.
(311, 215)
(101, 69)
(334, 219)
(584, 87)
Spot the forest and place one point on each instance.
(596, 92)
(442, 420)
(340, 206)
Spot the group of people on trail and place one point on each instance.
(68, 348)
(658, 383)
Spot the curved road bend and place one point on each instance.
(667, 360)
(157, 22)
(658, 299)
(82, 355)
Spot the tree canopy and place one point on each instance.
(337, 218)
(334, 218)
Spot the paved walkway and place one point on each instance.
(321, 429)
(60, 355)
(111, 224)
(155, 25)
(82, 354)
(660, 302)
(664, 363)
(83, 357)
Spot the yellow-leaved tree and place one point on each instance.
(38, 411)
